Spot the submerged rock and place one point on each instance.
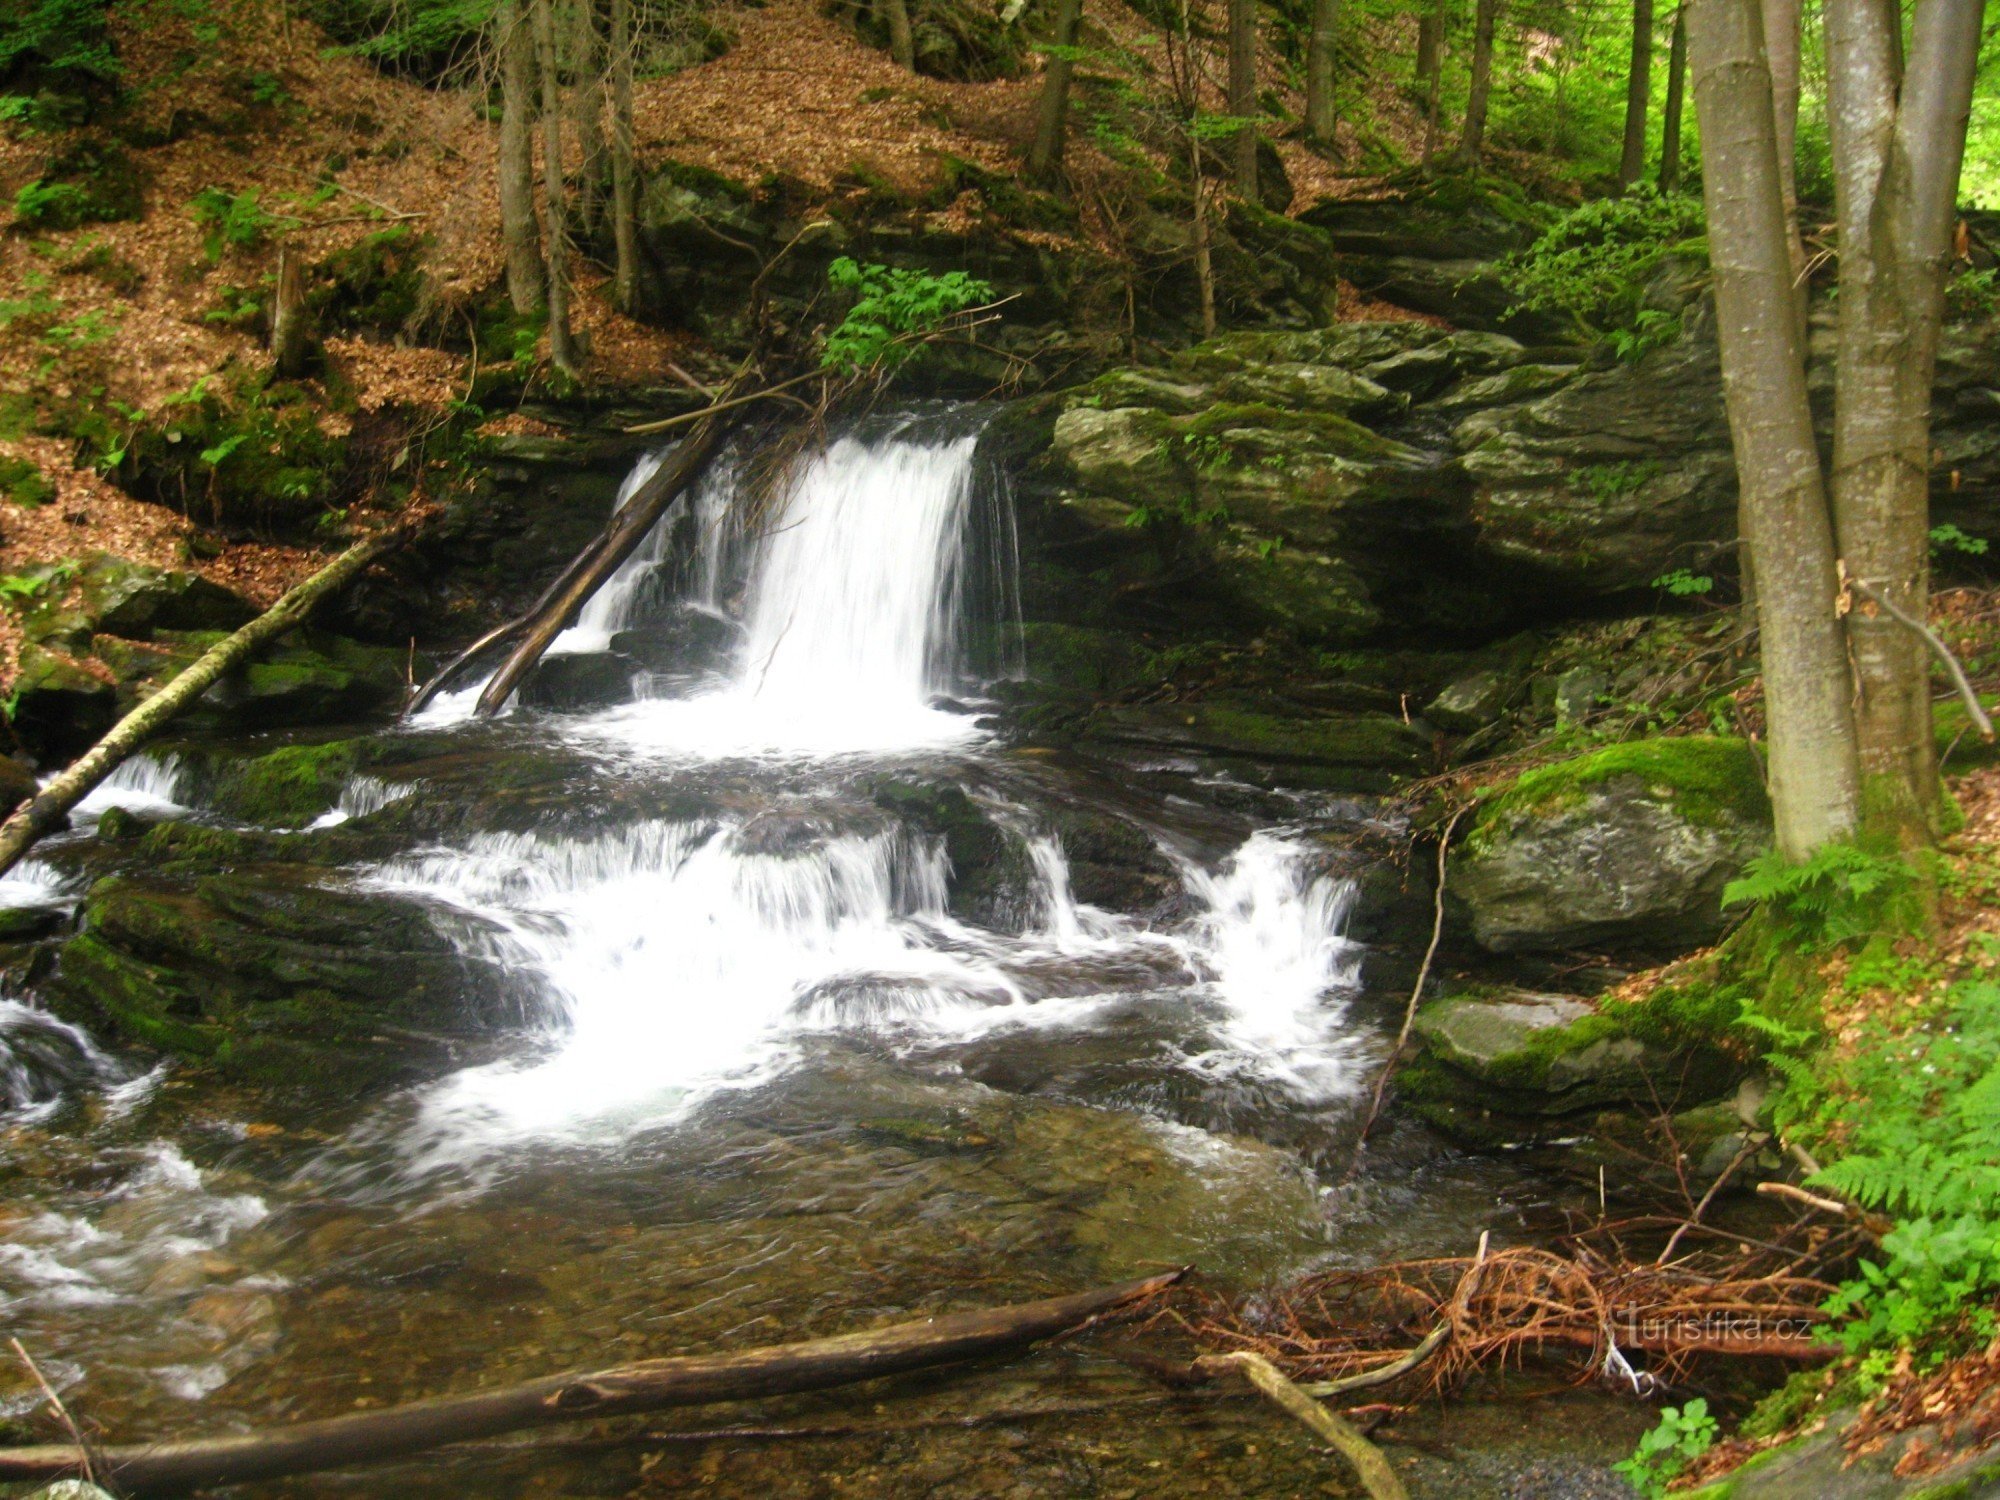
(580, 681)
(1629, 845)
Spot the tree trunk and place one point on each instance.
(902, 45)
(1435, 99)
(1430, 45)
(1781, 44)
(1204, 261)
(1047, 153)
(48, 807)
(1243, 92)
(1670, 131)
(1473, 138)
(555, 249)
(291, 322)
(1638, 95)
(527, 288)
(649, 1385)
(624, 172)
(587, 104)
(1321, 120)
(1897, 158)
(1813, 767)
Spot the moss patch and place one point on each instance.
(1709, 779)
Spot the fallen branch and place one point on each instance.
(48, 807)
(650, 1385)
(1874, 1224)
(85, 1465)
(1369, 1465)
(1975, 710)
(665, 424)
(588, 571)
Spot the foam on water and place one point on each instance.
(142, 784)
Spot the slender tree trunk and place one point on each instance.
(624, 173)
(1670, 131)
(1430, 44)
(291, 322)
(1638, 95)
(1897, 157)
(1781, 44)
(555, 249)
(587, 105)
(527, 288)
(902, 44)
(1204, 263)
(1321, 121)
(1813, 764)
(1435, 99)
(1047, 152)
(1243, 92)
(1473, 138)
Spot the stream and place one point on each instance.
(758, 1069)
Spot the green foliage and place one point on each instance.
(1684, 1433)
(893, 311)
(1935, 1274)
(1684, 583)
(233, 221)
(431, 39)
(1948, 538)
(42, 204)
(24, 484)
(17, 589)
(1594, 265)
(1613, 480)
(59, 36)
(1842, 893)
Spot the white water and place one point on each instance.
(142, 784)
(611, 608)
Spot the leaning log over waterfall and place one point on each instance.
(650, 1385)
(48, 807)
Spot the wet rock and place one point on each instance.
(130, 599)
(1629, 845)
(686, 641)
(275, 978)
(310, 677)
(1079, 659)
(991, 881)
(579, 681)
(1271, 743)
(61, 707)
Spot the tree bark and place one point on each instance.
(624, 171)
(527, 287)
(1638, 95)
(1435, 99)
(555, 248)
(1473, 138)
(1047, 152)
(1670, 131)
(1430, 44)
(291, 323)
(1321, 119)
(48, 807)
(1813, 766)
(1897, 158)
(587, 105)
(1204, 260)
(1243, 92)
(1781, 42)
(650, 1385)
(902, 44)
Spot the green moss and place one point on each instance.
(1708, 779)
(288, 787)
(24, 484)
(1326, 431)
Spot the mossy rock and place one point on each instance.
(126, 598)
(1086, 661)
(1272, 745)
(24, 484)
(991, 880)
(1630, 845)
(61, 707)
(274, 978)
(308, 678)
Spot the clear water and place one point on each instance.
(770, 1082)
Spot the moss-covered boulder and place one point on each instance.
(273, 977)
(131, 599)
(63, 703)
(310, 677)
(1272, 743)
(1630, 845)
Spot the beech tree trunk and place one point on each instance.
(1204, 261)
(648, 1385)
(624, 172)
(1430, 44)
(1053, 113)
(48, 807)
(1434, 100)
(1638, 94)
(527, 287)
(1670, 131)
(587, 106)
(902, 44)
(291, 324)
(1473, 138)
(555, 248)
(1321, 119)
(1781, 43)
(1243, 92)
(1813, 762)
(1897, 155)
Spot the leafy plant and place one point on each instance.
(233, 221)
(42, 204)
(1684, 1433)
(1843, 892)
(1948, 538)
(893, 310)
(1683, 583)
(1595, 262)
(17, 589)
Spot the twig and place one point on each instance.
(1875, 1224)
(693, 416)
(1416, 994)
(1975, 710)
(1369, 1465)
(1382, 1374)
(83, 1462)
(1753, 1142)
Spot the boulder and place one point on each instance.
(276, 978)
(1629, 846)
(1272, 743)
(580, 681)
(131, 599)
(61, 706)
(1471, 702)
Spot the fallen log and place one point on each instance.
(1370, 1467)
(649, 1385)
(587, 573)
(48, 807)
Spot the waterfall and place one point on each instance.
(613, 607)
